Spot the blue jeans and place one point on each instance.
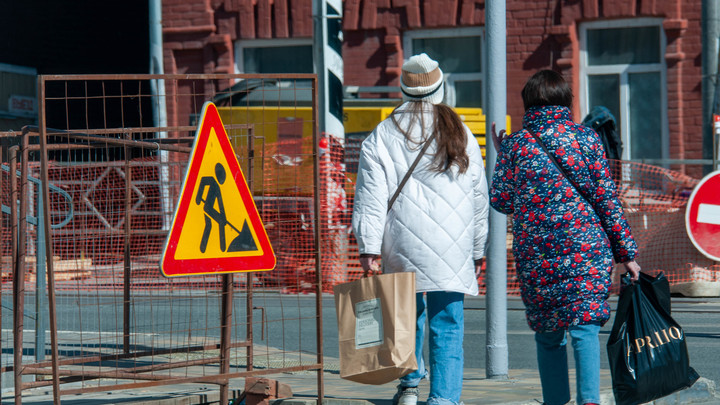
(444, 310)
(553, 364)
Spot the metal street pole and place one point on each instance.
(157, 87)
(710, 45)
(496, 347)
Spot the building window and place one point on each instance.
(622, 68)
(459, 52)
(274, 56)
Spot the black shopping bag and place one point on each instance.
(647, 348)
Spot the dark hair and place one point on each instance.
(451, 137)
(546, 87)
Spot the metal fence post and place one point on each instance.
(40, 283)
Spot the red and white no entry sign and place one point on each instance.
(702, 217)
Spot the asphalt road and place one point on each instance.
(700, 319)
(290, 325)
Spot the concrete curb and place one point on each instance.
(704, 391)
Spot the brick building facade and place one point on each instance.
(642, 58)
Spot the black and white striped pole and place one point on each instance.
(327, 17)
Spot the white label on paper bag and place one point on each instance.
(368, 324)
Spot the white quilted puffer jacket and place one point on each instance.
(438, 224)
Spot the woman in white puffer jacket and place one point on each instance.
(437, 226)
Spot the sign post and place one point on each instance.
(216, 228)
(702, 216)
(716, 141)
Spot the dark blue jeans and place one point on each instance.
(553, 364)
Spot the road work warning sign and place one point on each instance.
(216, 228)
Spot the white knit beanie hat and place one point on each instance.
(422, 80)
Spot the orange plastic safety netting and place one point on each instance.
(92, 244)
(654, 200)
(288, 210)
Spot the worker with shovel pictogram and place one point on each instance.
(244, 241)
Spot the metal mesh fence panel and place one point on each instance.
(114, 172)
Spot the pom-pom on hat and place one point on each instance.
(422, 80)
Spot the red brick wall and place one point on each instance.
(540, 38)
(540, 34)
(685, 80)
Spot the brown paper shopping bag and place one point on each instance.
(376, 327)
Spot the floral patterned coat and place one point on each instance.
(563, 246)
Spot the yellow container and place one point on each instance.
(266, 120)
(362, 120)
(286, 134)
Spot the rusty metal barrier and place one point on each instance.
(109, 177)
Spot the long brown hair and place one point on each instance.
(450, 135)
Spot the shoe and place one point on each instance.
(406, 396)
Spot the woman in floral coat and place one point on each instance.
(564, 240)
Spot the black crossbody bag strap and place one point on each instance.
(557, 164)
(409, 172)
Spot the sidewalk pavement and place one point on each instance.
(522, 387)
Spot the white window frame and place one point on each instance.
(451, 78)
(622, 71)
(242, 44)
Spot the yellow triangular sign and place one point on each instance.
(216, 227)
